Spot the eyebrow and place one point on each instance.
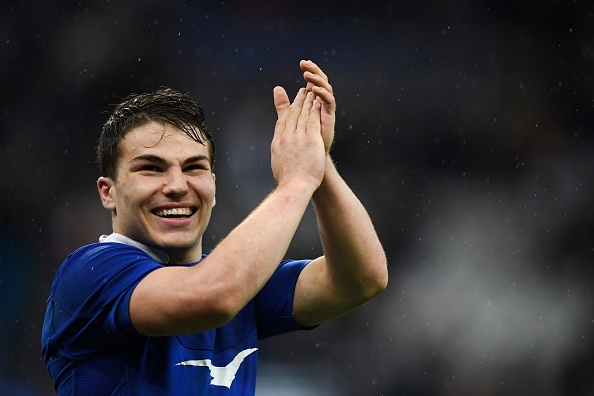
(148, 158)
(197, 158)
(157, 159)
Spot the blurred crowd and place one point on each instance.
(466, 128)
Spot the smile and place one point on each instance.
(175, 212)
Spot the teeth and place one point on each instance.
(175, 212)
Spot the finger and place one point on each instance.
(327, 98)
(294, 110)
(281, 100)
(313, 79)
(305, 113)
(313, 122)
(307, 65)
(322, 88)
(281, 103)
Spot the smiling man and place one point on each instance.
(145, 311)
(162, 191)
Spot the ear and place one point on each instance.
(214, 199)
(105, 187)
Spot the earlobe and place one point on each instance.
(104, 186)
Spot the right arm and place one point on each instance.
(180, 300)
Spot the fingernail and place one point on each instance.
(301, 91)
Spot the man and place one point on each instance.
(146, 312)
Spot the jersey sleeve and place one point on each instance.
(89, 300)
(274, 303)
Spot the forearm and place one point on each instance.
(354, 255)
(206, 296)
(248, 256)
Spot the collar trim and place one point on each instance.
(156, 254)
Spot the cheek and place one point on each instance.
(205, 187)
(131, 196)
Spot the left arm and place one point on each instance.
(353, 268)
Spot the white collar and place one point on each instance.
(157, 255)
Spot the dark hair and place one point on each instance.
(164, 105)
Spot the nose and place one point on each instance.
(175, 183)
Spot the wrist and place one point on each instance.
(299, 186)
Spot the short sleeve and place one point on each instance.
(274, 303)
(91, 295)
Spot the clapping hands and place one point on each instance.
(304, 131)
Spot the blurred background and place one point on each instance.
(465, 127)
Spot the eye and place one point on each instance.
(196, 167)
(149, 168)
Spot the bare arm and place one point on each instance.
(353, 268)
(178, 300)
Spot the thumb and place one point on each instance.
(281, 100)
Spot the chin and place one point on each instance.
(176, 243)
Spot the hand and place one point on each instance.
(297, 148)
(317, 82)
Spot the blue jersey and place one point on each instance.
(91, 347)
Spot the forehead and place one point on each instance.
(161, 138)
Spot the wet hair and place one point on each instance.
(163, 105)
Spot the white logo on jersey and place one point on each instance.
(221, 376)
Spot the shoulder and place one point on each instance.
(104, 257)
(104, 250)
(100, 270)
